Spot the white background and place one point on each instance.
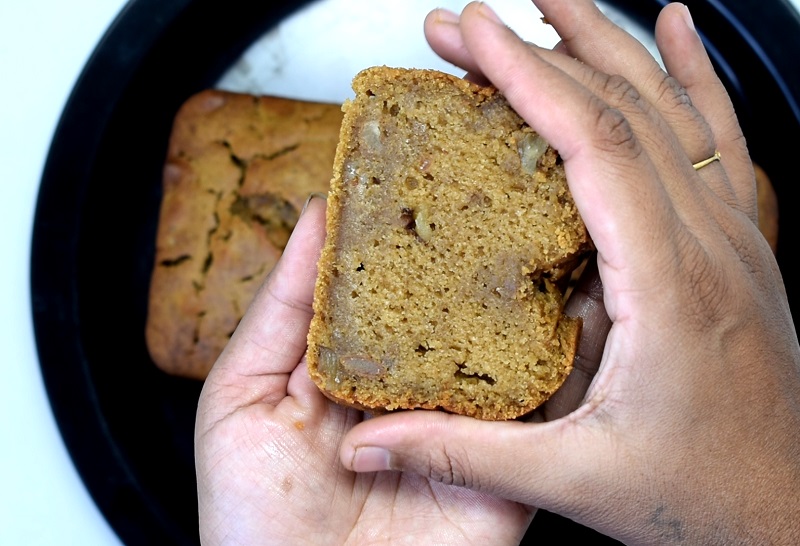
(43, 47)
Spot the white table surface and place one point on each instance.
(43, 47)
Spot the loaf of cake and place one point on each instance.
(451, 234)
(238, 170)
(767, 207)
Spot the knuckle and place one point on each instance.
(705, 282)
(673, 102)
(614, 131)
(450, 468)
(620, 91)
(673, 95)
(720, 281)
(709, 294)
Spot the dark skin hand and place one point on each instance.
(687, 386)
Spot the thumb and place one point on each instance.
(539, 464)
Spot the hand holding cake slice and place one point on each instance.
(451, 233)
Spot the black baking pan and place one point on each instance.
(128, 426)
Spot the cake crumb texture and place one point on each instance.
(238, 170)
(451, 235)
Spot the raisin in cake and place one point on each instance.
(450, 233)
(238, 171)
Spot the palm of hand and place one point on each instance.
(272, 473)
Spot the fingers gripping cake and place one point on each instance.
(451, 233)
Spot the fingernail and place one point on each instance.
(687, 17)
(310, 197)
(370, 459)
(444, 15)
(489, 13)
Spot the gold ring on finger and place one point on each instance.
(700, 164)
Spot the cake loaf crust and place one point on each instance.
(450, 235)
(238, 171)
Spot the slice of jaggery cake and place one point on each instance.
(450, 231)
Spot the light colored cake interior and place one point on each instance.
(450, 233)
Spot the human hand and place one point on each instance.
(690, 431)
(267, 442)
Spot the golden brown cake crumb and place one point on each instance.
(451, 231)
(238, 170)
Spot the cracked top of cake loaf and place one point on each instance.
(238, 170)
(450, 234)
